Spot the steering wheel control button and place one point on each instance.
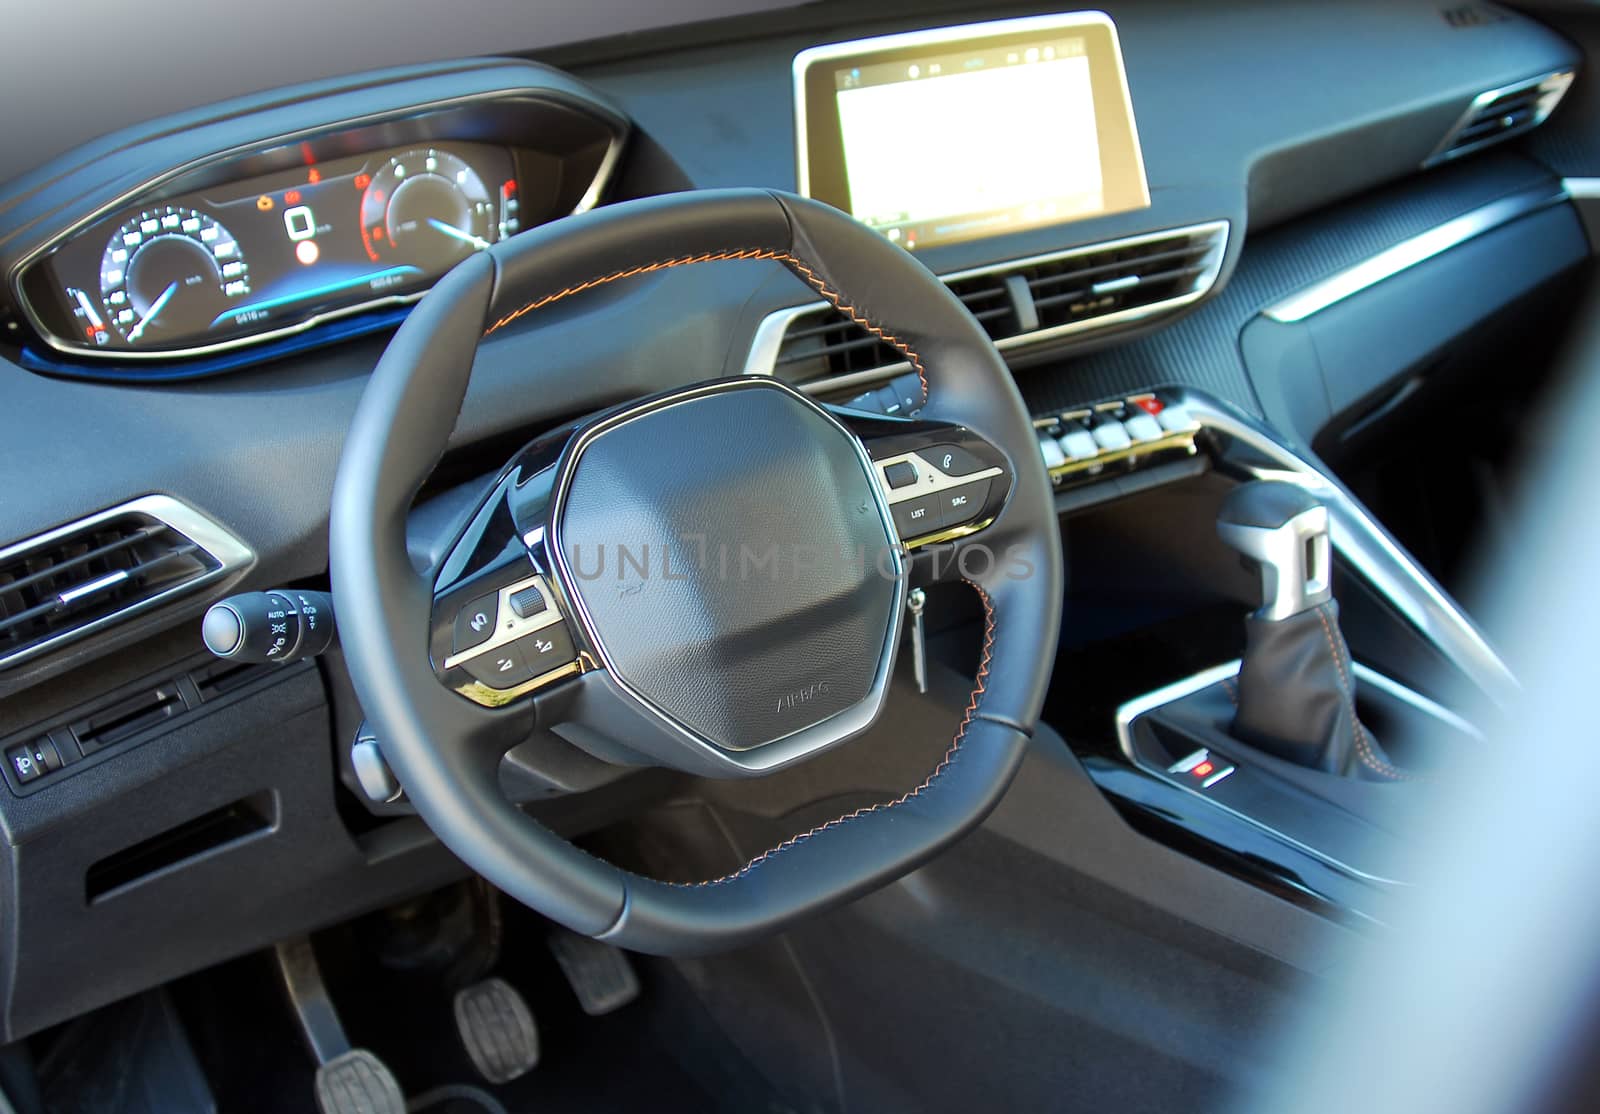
(902, 473)
(475, 622)
(545, 649)
(916, 517)
(952, 460)
(961, 505)
(504, 667)
(528, 602)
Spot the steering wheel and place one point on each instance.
(763, 631)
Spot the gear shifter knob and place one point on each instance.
(1284, 530)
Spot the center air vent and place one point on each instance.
(92, 573)
(1026, 301)
(1502, 113)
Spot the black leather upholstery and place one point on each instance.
(731, 555)
(1297, 696)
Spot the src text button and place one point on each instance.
(961, 505)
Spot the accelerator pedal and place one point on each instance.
(358, 1083)
(498, 1030)
(601, 976)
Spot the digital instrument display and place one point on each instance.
(935, 137)
(209, 266)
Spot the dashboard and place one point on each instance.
(190, 306)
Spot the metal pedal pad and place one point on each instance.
(358, 1083)
(498, 1030)
(601, 976)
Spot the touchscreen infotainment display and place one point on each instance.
(948, 135)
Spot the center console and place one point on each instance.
(1251, 669)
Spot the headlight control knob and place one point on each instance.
(278, 625)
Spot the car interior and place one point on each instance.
(793, 557)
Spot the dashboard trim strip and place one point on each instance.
(1409, 253)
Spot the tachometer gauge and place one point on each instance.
(428, 208)
(169, 270)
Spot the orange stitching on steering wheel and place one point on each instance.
(798, 266)
(944, 763)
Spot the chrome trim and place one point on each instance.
(807, 740)
(1558, 80)
(930, 481)
(590, 198)
(1293, 559)
(1406, 254)
(960, 33)
(1139, 706)
(1581, 189)
(231, 555)
(92, 587)
(769, 335)
(764, 346)
(1369, 549)
(510, 627)
(1393, 688)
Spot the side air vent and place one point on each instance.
(1022, 302)
(1502, 113)
(87, 575)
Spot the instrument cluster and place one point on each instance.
(241, 232)
(209, 268)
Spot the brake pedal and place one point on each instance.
(600, 975)
(498, 1030)
(358, 1083)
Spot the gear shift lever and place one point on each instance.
(1296, 686)
(1284, 531)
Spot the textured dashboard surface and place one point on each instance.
(1202, 349)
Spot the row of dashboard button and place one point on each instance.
(1083, 436)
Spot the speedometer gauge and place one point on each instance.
(428, 208)
(169, 270)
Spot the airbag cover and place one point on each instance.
(733, 561)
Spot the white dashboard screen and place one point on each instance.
(963, 145)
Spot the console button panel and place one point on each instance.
(1114, 437)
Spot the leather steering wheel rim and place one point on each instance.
(442, 748)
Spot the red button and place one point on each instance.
(1204, 769)
(1151, 405)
